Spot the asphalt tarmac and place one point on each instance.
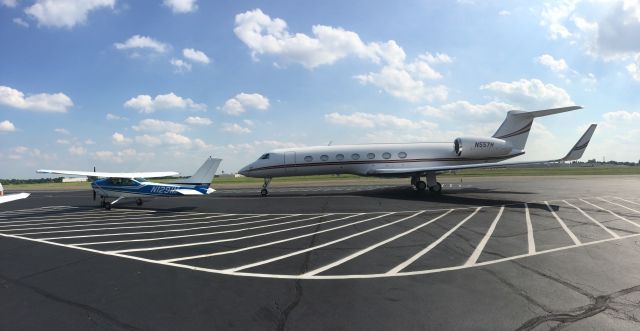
(505, 253)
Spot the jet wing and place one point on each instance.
(13, 197)
(110, 174)
(574, 154)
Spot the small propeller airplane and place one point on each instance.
(122, 185)
(11, 197)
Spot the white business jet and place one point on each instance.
(11, 197)
(121, 185)
(414, 160)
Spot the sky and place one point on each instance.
(161, 85)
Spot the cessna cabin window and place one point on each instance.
(265, 157)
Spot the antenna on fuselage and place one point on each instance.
(330, 142)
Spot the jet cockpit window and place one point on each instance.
(264, 157)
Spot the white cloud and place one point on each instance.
(554, 17)
(43, 102)
(556, 65)
(435, 59)
(9, 3)
(621, 115)
(7, 126)
(195, 120)
(119, 138)
(61, 131)
(181, 6)
(235, 128)
(369, 120)
(634, 68)
(65, 13)
(173, 138)
(19, 21)
(399, 83)
(148, 140)
(146, 104)
(77, 150)
(153, 125)
(180, 65)
(112, 117)
(504, 12)
(143, 42)
(121, 156)
(464, 109)
(530, 94)
(89, 142)
(63, 141)
(239, 104)
(195, 55)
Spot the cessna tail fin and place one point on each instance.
(205, 173)
(516, 126)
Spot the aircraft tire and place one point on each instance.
(264, 192)
(421, 186)
(107, 206)
(437, 189)
(139, 202)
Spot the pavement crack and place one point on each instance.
(111, 321)
(600, 304)
(520, 292)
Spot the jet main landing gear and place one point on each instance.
(431, 183)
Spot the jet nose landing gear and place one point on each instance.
(265, 187)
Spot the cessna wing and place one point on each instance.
(110, 174)
(13, 197)
(574, 154)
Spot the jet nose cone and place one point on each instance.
(244, 171)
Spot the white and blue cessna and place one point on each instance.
(121, 185)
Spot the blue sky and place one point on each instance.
(145, 85)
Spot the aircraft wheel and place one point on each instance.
(437, 189)
(107, 206)
(421, 186)
(139, 202)
(264, 192)
(103, 204)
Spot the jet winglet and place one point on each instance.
(578, 149)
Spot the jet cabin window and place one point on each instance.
(355, 156)
(386, 155)
(402, 155)
(264, 157)
(371, 156)
(339, 157)
(324, 157)
(308, 158)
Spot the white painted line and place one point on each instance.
(612, 213)
(245, 237)
(530, 242)
(617, 204)
(424, 251)
(71, 214)
(201, 234)
(68, 217)
(317, 277)
(635, 203)
(613, 234)
(255, 264)
(573, 237)
(143, 226)
(32, 210)
(101, 222)
(372, 247)
(476, 253)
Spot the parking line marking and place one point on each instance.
(615, 235)
(145, 226)
(206, 233)
(530, 242)
(635, 203)
(612, 213)
(65, 215)
(96, 222)
(255, 264)
(240, 238)
(476, 253)
(617, 204)
(424, 251)
(573, 237)
(372, 247)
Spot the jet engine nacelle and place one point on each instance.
(480, 147)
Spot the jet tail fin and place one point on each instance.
(205, 173)
(516, 126)
(578, 149)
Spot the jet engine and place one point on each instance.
(479, 147)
